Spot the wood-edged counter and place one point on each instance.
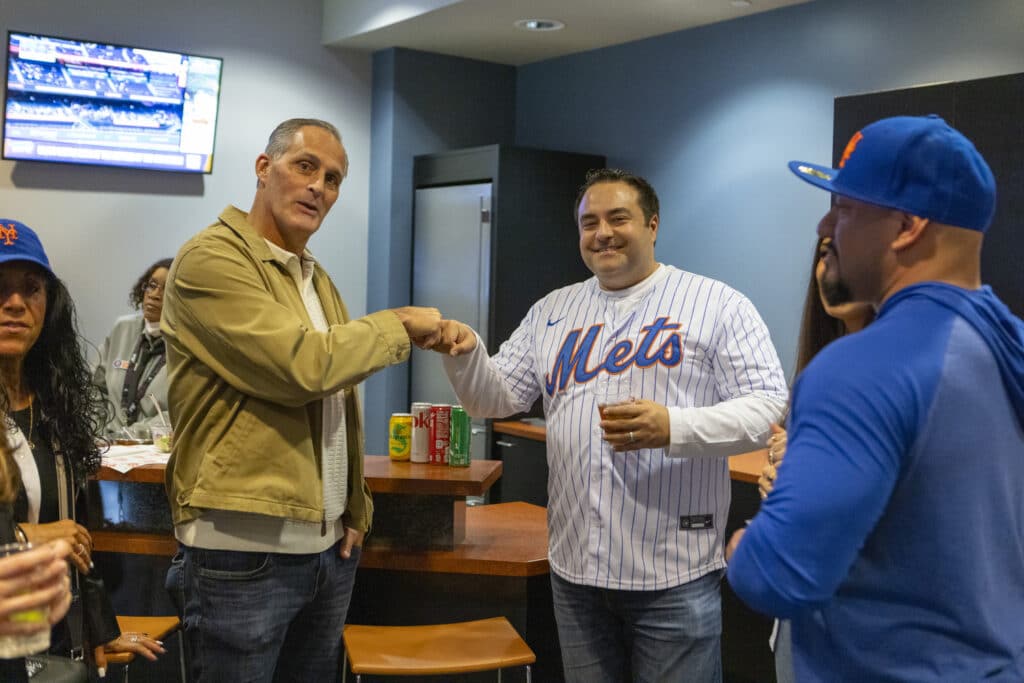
(499, 565)
(505, 539)
(417, 505)
(500, 568)
(382, 475)
(745, 467)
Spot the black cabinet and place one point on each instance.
(524, 475)
(989, 111)
(521, 244)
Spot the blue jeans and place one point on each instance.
(665, 636)
(784, 653)
(242, 609)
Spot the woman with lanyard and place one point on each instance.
(53, 409)
(130, 374)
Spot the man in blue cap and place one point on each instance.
(894, 537)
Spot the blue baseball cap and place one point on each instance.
(917, 164)
(18, 242)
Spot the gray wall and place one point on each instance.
(711, 115)
(102, 227)
(422, 103)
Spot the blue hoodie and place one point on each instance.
(895, 536)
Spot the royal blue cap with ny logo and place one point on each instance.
(917, 164)
(18, 242)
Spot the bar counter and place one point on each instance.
(382, 474)
(745, 467)
(415, 503)
(496, 565)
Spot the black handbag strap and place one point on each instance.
(76, 626)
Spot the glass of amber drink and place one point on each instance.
(612, 391)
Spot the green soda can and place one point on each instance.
(458, 447)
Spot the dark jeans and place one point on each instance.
(252, 617)
(664, 636)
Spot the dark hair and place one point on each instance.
(817, 328)
(55, 369)
(645, 194)
(10, 475)
(138, 290)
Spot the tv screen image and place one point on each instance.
(82, 102)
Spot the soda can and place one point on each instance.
(440, 419)
(458, 446)
(420, 432)
(400, 436)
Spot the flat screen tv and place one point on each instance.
(81, 102)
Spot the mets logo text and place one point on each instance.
(9, 234)
(573, 357)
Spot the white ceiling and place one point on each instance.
(483, 29)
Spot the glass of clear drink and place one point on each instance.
(20, 644)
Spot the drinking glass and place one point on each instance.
(21, 644)
(612, 390)
(163, 437)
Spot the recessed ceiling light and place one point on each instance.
(540, 25)
(740, 3)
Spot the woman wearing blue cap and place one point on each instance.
(53, 408)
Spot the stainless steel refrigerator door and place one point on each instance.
(451, 271)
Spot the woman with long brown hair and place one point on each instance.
(32, 580)
(822, 324)
(55, 418)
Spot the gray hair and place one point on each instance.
(281, 138)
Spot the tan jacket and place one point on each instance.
(247, 372)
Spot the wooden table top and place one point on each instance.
(504, 539)
(745, 467)
(387, 476)
(523, 429)
(381, 473)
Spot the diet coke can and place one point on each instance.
(420, 432)
(440, 434)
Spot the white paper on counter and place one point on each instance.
(126, 458)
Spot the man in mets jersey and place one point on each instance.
(894, 536)
(637, 500)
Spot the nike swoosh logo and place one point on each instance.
(552, 323)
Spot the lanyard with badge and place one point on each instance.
(134, 387)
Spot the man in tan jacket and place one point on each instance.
(265, 480)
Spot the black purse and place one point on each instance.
(54, 669)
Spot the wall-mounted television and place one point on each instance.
(82, 102)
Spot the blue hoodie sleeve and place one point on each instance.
(853, 418)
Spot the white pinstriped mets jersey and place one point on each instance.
(653, 518)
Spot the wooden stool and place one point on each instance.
(484, 645)
(156, 628)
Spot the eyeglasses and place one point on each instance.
(153, 286)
